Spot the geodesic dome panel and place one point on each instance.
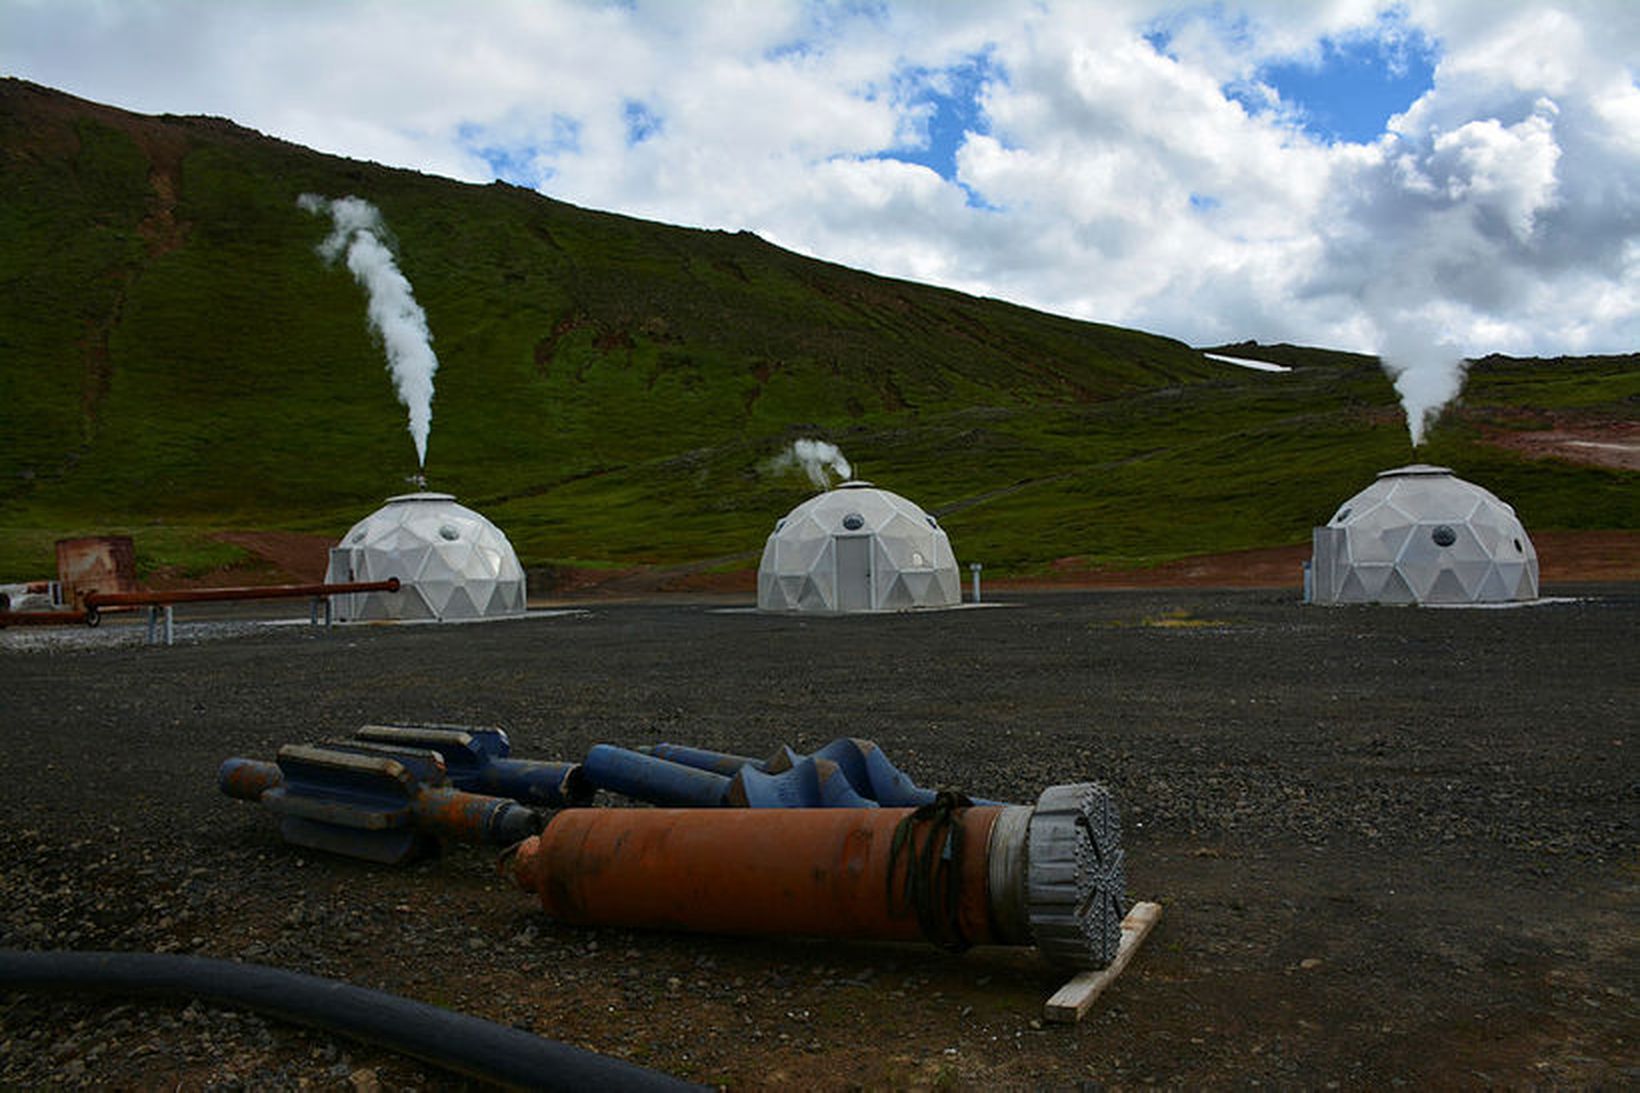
(857, 548)
(1419, 534)
(451, 563)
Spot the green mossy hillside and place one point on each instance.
(176, 360)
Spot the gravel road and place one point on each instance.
(1394, 846)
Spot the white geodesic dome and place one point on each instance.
(857, 548)
(1419, 534)
(451, 563)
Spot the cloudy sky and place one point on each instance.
(1451, 176)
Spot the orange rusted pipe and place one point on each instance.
(102, 600)
(40, 618)
(1052, 875)
(817, 872)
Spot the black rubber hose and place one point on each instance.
(466, 1045)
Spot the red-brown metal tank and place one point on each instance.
(103, 563)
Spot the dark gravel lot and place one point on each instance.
(1395, 846)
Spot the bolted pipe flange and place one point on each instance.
(1075, 882)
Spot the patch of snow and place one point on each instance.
(1243, 362)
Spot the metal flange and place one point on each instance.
(1075, 881)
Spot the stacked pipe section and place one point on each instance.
(839, 843)
(949, 872)
(393, 793)
(846, 773)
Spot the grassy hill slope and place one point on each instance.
(176, 360)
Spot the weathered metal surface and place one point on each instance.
(1009, 860)
(813, 872)
(718, 762)
(1076, 883)
(41, 618)
(247, 779)
(100, 599)
(846, 773)
(803, 782)
(648, 778)
(373, 801)
(474, 818)
(477, 760)
(103, 563)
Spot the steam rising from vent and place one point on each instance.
(392, 311)
(1428, 373)
(815, 457)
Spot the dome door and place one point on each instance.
(854, 573)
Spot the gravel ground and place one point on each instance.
(1394, 846)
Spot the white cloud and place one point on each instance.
(1103, 178)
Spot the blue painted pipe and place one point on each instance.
(477, 760)
(807, 783)
(647, 778)
(866, 774)
(718, 762)
(868, 770)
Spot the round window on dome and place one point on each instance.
(854, 521)
(1343, 514)
(448, 531)
(1444, 536)
(1518, 548)
(933, 523)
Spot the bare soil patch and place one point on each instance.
(287, 557)
(1614, 444)
(301, 558)
(1563, 556)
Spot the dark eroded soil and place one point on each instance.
(1395, 846)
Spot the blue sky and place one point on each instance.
(1341, 88)
(1355, 86)
(948, 106)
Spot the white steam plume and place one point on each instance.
(392, 310)
(1428, 372)
(815, 457)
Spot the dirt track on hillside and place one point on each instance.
(1393, 845)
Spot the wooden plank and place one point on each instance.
(1072, 1000)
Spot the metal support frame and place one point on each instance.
(153, 624)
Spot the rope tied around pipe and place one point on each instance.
(931, 884)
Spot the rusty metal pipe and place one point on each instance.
(372, 801)
(1050, 876)
(248, 779)
(40, 618)
(100, 600)
(811, 872)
